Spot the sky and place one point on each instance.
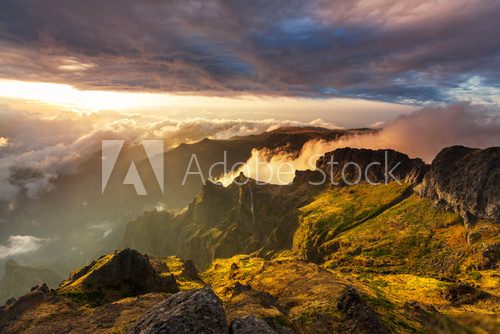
(47, 97)
(75, 72)
(350, 62)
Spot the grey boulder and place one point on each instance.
(250, 325)
(196, 311)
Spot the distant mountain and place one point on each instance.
(18, 280)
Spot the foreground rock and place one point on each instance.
(359, 318)
(250, 325)
(114, 276)
(466, 181)
(92, 299)
(46, 312)
(197, 311)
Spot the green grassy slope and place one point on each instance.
(388, 229)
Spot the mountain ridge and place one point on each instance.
(297, 258)
(203, 220)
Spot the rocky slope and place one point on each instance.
(252, 295)
(292, 295)
(17, 280)
(388, 229)
(44, 312)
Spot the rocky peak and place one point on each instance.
(465, 180)
(123, 273)
(377, 165)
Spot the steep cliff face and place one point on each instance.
(149, 232)
(18, 280)
(465, 180)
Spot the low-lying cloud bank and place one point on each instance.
(427, 131)
(420, 134)
(35, 148)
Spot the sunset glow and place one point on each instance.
(249, 166)
(344, 111)
(79, 100)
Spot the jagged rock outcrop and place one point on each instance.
(197, 311)
(223, 221)
(250, 325)
(359, 317)
(18, 280)
(123, 273)
(465, 180)
(376, 166)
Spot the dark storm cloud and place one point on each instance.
(389, 50)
